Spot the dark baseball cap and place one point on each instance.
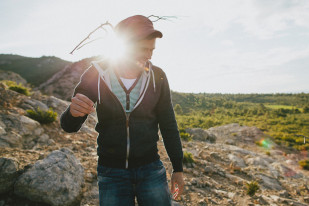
(136, 28)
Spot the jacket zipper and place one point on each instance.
(128, 116)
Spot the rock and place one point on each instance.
(56, 180)
(237, 160)
(11, 139)
(286, 171)
(215, 156)
(257, 161)
(21, 130)
(33, 104)
(12, 76)
(38, 131)
(235, 179)
(174, 203)
(230, 141)
(221, 193)
(202, 135)
(8, 174)
(28, 125)
(239, 134)
(269, 182)
(284, 193)
(208, 170)
(58, 105)
(43, 139)
(231, 195)
(2, 130)
(275, 198)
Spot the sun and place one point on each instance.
(113, 47)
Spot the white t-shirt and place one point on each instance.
(127, 82)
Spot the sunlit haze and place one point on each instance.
(248, 46)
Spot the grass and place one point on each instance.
(252, 188)
(44, 117)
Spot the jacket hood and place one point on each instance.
(104, 67)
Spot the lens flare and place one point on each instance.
(114, 48)
(266, 143)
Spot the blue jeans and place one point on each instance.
(147, 183)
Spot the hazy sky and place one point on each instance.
(232, 46)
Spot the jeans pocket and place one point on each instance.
(158, 165)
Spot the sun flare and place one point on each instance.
(114, 48)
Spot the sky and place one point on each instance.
(218, 46)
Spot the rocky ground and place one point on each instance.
(226, 158)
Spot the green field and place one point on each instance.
(282, 116)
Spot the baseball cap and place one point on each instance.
(136, 28)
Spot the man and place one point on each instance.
(133, 99)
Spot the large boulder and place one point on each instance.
(8, 174)
(19, 131)
(56, 180)
(202, 135)
(236, 134)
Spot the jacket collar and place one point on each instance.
(104, 68)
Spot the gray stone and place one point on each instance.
(28, 125)
(56, 180)
(11, 139)
(202, 135)
(34, 104)
(8, 174)
(43, 139)
(286, 171)
(269, 182)
(257, 161)
(237, 161)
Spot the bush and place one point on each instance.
(20, 89)
(304, 164)
(44, 117)
(17, 87)
(188, 157)
(252, 187)
(185, 136)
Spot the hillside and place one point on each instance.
(34, 70)
(225, 159)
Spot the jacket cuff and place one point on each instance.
(71, 118)
(70, 123)
(177, 165)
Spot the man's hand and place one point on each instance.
(81, 105)
(177, 178)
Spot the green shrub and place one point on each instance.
(44, 117)
(20, 89)
(17, 87)
(185, 136)
(8, 83)
(188, 157)
(252, 187)
(304, 164)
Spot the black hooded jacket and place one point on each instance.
(129, 141)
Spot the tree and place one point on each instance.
(306, 109)
(178, 109)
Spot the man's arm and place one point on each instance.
(87, 89)
(168, 126)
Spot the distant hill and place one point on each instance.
(34, 70)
